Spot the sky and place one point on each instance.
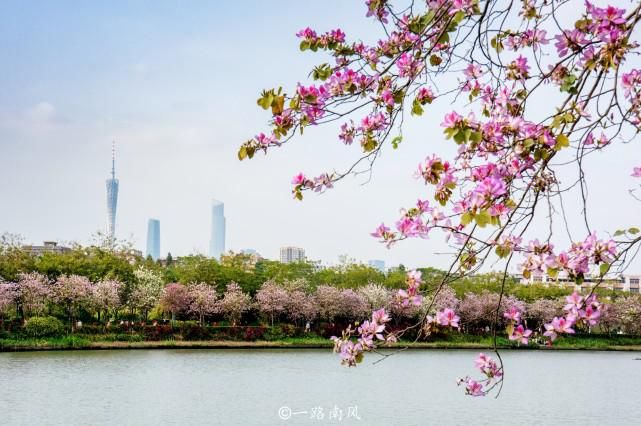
(175, 85)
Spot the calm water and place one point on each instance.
(236, 387)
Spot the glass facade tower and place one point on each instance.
(217, 241)
(153, 239)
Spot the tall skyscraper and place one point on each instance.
(112, 197)
(153, 238)
(292, 254)
(217, 241)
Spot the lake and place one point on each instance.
(297, 387)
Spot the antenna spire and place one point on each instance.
(113, 159)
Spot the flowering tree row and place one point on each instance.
(537, 88)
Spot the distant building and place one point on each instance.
(292, 254)
(47, 247)
(153, 239)
(112, 198)
(217, 241)
(317, 265)
(377, 264)
(622, 282)
(345, 259)
(249, 251)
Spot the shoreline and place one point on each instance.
(262, 345)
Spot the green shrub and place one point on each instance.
(44, 327)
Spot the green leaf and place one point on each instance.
(552, 273)
(417, 109)
(467, 218)
(509, 329)
(435, 60)
(482, 218)
(633, 231)
(476, 137)
(322, 72)
(619, 232)
(459, 137)
(444, 38)
(266, 99)
(604, 268)
(396, 141)
(242, 153)
(370, 144)
(562, 141)
(304, 45)
(502, 252)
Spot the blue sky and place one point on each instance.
(175, 85)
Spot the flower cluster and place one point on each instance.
(579, 311)
(411, 296)
(485, 194)
(367, 334)
(631, 83)
(529, 38)
(515, 330)
(577, 261)
(492, 375)
(310, 40)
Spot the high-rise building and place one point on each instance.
(292, 254)
(377, 264)
(112, 197)
(217, 241)
(153, 238)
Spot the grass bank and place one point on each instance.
(604, 343)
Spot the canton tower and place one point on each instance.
(112, 197)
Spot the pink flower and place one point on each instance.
(299, 179)
(473, 71)
(347, 133)
(380, 316)
(447, 318)
(265, 139)
(306, 33)
(513, 314)
(559, 325)
(381, 231)
(415, 277)
(487, 366)
(425, 95)
(591, 315)
(574, 302)
(387, 97)
(451, 120)
(520, 334)
(636, 172)
(408, 66)
(473, 388)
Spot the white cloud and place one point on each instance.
(42, 112)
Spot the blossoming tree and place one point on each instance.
(545, 86)
(106, 297)
(234, 303)
(32, 293)
(174, 298)
(203, 300)
(73, 292)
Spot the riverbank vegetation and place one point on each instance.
(94, 296)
